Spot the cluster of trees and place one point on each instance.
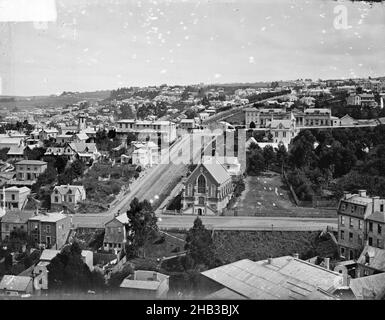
(259, 160)
(265, 95)
(68, 273)
(106, 141)
(338, 159)
(18, 126)
(142, 226)
(158, 109)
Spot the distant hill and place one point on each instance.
(52, 100)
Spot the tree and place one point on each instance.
(191, 114)
(68, 272)
(46, 178)
(130, 138)
(255, 161)
(268, 155)
(142, 224)
(281, 155)
(200, 245)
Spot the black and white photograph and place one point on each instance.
(174, 151)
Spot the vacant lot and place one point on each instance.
(267, 195)
(259, 245)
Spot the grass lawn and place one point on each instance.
(231, 246)
(267, 195)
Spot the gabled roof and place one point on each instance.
(376, 258)
(15, 283)
(32, 162)
(82, 147)
(17, 216)
(48, 254)
(369, 287)
(216, 170)
(377, 216)
(16, 150)
(282, 278)
(63, 189)
(49, 217)
(82, 136)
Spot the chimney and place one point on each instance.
(346, 194)
(374, 202)
(327, 263)
(269, 260)
(346, 280)
(362, 192)
(296, 256)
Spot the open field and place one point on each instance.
(267, 195)
(231, 246)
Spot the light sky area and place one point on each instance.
(101, 44)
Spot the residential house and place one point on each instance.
(281, 278)
(27, 172)
(16, 153)
(15, 220)
(86, 152)
(16, 285)
(14, 197)
(145, 285)
(187, 125)
(147, 130)
(360, 221)
(48, 133)
(145, 154)
(67, 196)
(50, 230)
(115, 234)
(64, 138)
(371, 261)
(347, 120)
(207, 190)
(363, 100)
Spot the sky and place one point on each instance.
(88, 45)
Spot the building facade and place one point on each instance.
(360, 221)
(207, 190)
(67, 196)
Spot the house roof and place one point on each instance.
(376, 258)
(16, 189)
(377, 216)
(16, 150)
(32, 162)
(283, 278)
(15, 283)
(217, 171)
(48, 254)
(370, 286)
(82, 136)
(140, 284)
(82, 146)
(17, 216)
(64, 189)
(49, 217)
(225, 294)
(286, 124)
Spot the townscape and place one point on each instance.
(265, 190)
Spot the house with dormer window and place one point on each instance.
(67, 196)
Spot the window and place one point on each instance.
(360, 224)
(201, 200)
(379, 229)
(342, 252)
(359, 240)
(342, 220)
(378, 243)
(370, 241)
(48, 229)
(120, 230)
(189, 190)
(381, 207)
(342, 235)
(56, 199)
(13, 197)
(352, 208)
(350, 236)
(350, 223)
(201, 184)
(213, 191)
(370, 226)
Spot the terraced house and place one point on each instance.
(361, 221)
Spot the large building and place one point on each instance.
(207, 190)
(363, 100)
(310, 117)
(14, 197)
(147, 130)
(361, 220)
(27, 171)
